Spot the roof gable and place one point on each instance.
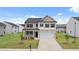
(48, 19)
(36, 20)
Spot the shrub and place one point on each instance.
(66, 37)
(32, 38)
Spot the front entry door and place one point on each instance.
(36, 34)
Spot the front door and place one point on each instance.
(36, 34)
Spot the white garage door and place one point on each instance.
(47, 34)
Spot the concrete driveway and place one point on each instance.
(49, 45)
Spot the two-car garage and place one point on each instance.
(47, 34)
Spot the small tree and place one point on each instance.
(67, 38)
(21, 37)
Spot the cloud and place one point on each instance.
(60, 14)
(32, 16)
(19, 20)
(74, 9)
(62, 20)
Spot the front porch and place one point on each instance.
(31, 34)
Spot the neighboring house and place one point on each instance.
(21, 27)
(11, 28)
(61, 28)
(73, 26)
(40, 28)
(2, 29)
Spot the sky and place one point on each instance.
(20, 14)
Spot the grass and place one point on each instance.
(67, 44)
(14, 41)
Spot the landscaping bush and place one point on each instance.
(32, 38)
(66, 38)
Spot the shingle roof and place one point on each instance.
(2, 24)
(77, 18)
(36, 20)
(60, 25)
(12, 24)
(33, 20)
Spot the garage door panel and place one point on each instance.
(46, 34)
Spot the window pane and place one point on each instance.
(31, 25)
(31, 32)
(27, 25)
(27, 32)
(41, 25)
(36, 25)
(46, 25)
(52, 25)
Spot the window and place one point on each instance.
(15, 30)
(41, 25)
(36, 25)
(47, 25)
(4, 32)
(29, 32)
(70, 32)
(52, 25)
(29, 25)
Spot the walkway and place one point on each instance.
(49, 45)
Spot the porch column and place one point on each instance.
(33, 33)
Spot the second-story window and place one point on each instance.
(29, 25)
(46, 25)
(41, 25)
(52, 25)
(36, 25)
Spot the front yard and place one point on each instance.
(13, 41)
(67, 44)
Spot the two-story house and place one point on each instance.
(11, 28)
(73, 27)
(40, 28)
(2, 29)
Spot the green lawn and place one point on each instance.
(67, 44)
(14, 41)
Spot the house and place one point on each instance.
(61, 28)
(40, 28)
(11, 28)
(73, 26)
(2, 29)
(21, 27)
